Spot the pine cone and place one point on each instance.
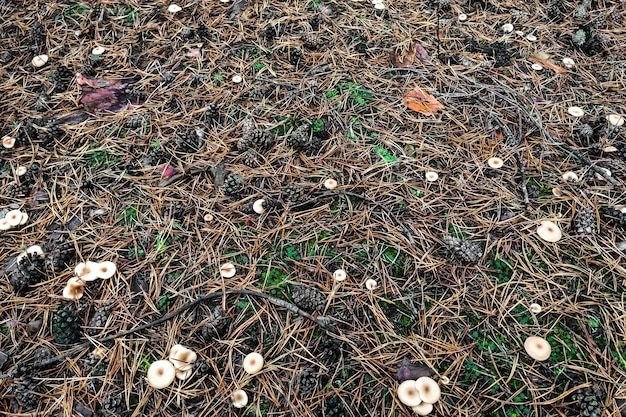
(203, 31)
(66, 326)
(465, 250)
(307, 383)
(308, 298)
(30, 271)
(585, 222)
(260, 93)
(113, 405)
(201, 368)
(138, 120)
(62, 78)
(256, 139)
(613, 217)
(250, 158)
(316, 21)
(96, 365)
(37, 37)
(59, 251)
(233, 184)
(334, 407)
(25, 393)
(49, 131)
(311, 40)
(18, 190)
(590, 403)
(211, 113)
(157, 156)
(293, 193)
(99, 321)
(40, 356)
(188, 141)
(300, 137)
(295, 57)
(216, 324)
(330, 351)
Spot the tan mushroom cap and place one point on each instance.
(408, 393)
(431, 176)
(74, 291)
(253, 363)
(535, 308)
(371, 284)
(257, 206)
(183, 375)
(228, 270)
(570, 176)
(428, 389)
(495, 162)
(4, 224)
(161, 374)
(182, 358)
(35, 249)
(14, 217)
(549, 231)
(340, 275)
(538, 348)
(8, 142)
(86, 271)
(24, 218)
(240, 398)
(330, 184)
(105, 270)
(423, 409)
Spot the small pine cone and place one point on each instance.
(17, 190)
(96, 365)
(256, 139)
(138, 120)
(198, 80)
(166, 78)
(250, 158)
(270, 33)
(293, 193)
(99, 321)
(176, 211)
(334, 407)
(308, 298)
(248, 126)
(295, 57)
(5, 57)
(25, 393)
(216, 324)
(330, 350)
(203, 31)
(300, 137)
(444, 4)
(26, 133)
(307, 382)
(62, 78)
(188, 141)
(260, 93)
(41, 104)
(311, 40)
(186, 33)
(590, 401)
(233, 184)
(201, 368)
(40, 356)
(113, 405)
(66, 326)
(59, 251)
(585, 222)
(465, 250)
(49, 131)
(613, 217)
(37, 35)
(316, 21)
(157, 156)
(32, 267)
(211, 113)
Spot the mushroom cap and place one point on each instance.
(86, 271)
(237, 78)
(21, 170)
(98, 50)
(14, 217)
(408, 393)
(423, 409)
(75, 282)
(613, 119)
(432, 176)
(240, 398)
(340, 275)
(576, 111)
(105, 270)
(174, 8)
(228, 270)
(330, 184)
(161, 374)
(8, 142)
(182, 358)
(253, 362)
(257, 206)
(73, 293)
(549, 231)
(429, 389)
(371, 284)
(538, 348)
(535, 308)
(495, 162)
(182, 375)
(4, 224)
(570, 176)
(208, 217)
(40, 60)
(24, 218)
(34, 249)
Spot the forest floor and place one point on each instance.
(147, 136)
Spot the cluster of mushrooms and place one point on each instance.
(85, 272)
(179, 365)
(252, 364)
(420, 394)
(13, 219)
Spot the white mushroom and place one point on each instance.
(105, 270)
(495, 162)
(228, 270)
(257, 206)
(237, 78)
(253, 363)
(35, 249)
(507, 27)
(98, 50)
(174, 8)
(570, 176)
(534, 308)
(549, 231)
(432, 176)
(161, 374)
(182, 375)
(615, 120)
(340, 275)
(423, 409)
(24, 218)
(538, 348)
(568, 62)
(428, 389)
(4, 224)
(40, 60)
(371, 284)
(182, 358)
(86, 271)
(408, 393)
(14, 217)
(8, 142)
(576, 111)
(240, 398)
(330, 184)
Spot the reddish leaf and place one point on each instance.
(420, 102)
(168, 171)
(417, 52)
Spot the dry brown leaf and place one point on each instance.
(421, 102)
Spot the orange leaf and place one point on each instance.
(420, 102)
(554, 67)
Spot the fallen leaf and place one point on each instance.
(103, 95)
(417, 52)
(421, 102)
(168, 171)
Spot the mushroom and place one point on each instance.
(8, 142)
(228, 270)
(340, 275)
(14, 217)
(4, 224)
(240, 398)
(105, 270)
(408, 393)
(432, 176)
(534, 308)
(576, 111)
(371, 284)
(161, 374)
(208, 217)
(21, 170)
(98, 50)
(182, 358)
(237, 78)
(257, 206)
(253, 362)
(35, 249)
(549, 231)
(531, 37)
(423, 409)
(428, 389)
(24, 218)
(182, 375)
(75, 289)
(568, 62)
(462, 17)
(570, 176)
(507, 28)
(495, 162)
(330, 184)
(537, 67)
(174, 8)
(379, 6)
(40, 60)
(538, 348)
(86, 271)
(613, 119)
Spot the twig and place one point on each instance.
(520, 167)
(322, 321)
